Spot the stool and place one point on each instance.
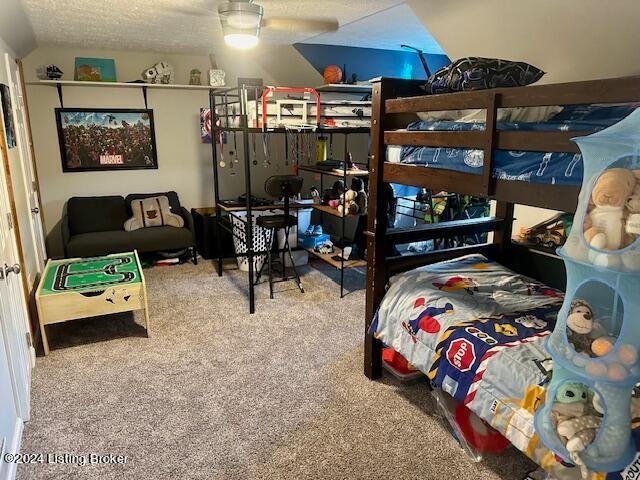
(280, 186)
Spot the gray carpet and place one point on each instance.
(217, 393)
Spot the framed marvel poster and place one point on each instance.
(106, 139)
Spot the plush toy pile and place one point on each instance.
(354, 200)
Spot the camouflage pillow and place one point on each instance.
(478, 73)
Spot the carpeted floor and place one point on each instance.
(217, 393)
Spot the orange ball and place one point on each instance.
(602, 346)
(332, 74)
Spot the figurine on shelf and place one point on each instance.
(161, 72)
(48, 72)
(194, 77)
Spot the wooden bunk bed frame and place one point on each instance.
(395, 103)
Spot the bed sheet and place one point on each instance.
(477, 330)
(535, 167)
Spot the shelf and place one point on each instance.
(344, 88)
(336, 263)
(271, 206)
(330, 211)
(335, 172)
(284, 130)
(76, 83)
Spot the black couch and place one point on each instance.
(94, 226)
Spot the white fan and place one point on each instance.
(242, 20)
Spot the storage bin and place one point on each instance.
(261, 240)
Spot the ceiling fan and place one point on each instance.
(242, 20)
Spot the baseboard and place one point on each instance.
(13, 447)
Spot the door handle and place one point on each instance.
(35, 210)
(15, 268)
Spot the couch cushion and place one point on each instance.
(174, 201)
(99, 243)
(161, 238)
(96, 214)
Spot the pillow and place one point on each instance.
(478, 73)
(152, 212)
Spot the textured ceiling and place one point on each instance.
(387, 30)
(163, 25)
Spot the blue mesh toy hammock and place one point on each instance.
(586, 418)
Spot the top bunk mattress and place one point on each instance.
(534, 167)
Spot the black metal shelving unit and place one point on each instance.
(231, 103)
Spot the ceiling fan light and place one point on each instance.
(241, 40)
(240, 22)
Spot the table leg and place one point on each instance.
(45, 341)
(146, 313)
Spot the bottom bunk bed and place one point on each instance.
(476, 329)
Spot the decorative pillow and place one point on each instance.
(478, 73)
(152, 212)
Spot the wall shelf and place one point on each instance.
(76, 83)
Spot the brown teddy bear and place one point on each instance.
(604, 226)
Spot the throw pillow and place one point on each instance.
(478, 73)
(152, 212)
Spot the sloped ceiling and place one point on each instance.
(15, 28)
(569, 39)
(384, 30)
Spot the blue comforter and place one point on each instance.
(534, 167)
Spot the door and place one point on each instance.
(23, 176)
(13, 308)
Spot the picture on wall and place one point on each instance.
(106, 139)
(95, 70)
(9, 127)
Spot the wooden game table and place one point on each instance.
(76, 288)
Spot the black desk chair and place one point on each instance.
(280, 186)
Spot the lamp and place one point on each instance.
(240, 21)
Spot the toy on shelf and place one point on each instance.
(161, 72)
(354, 200)
(586, 418)
(194, 77)
(550, 234)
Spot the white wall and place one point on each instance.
(570, 40)
(184, 163)
(9, 422)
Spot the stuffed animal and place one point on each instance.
(605, 225)
(631, 258)
(580, 325)
(579, 431)
(348, 205)
(357, 185)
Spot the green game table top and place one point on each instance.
(90, 274)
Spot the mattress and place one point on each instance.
(477, 330)
(534, 167)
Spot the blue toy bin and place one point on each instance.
(606, 227)
(608, 352)
(613, 448)
(595, 343)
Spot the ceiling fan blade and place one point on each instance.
(191, 11)
(301, 24)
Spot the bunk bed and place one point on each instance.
(448, 285)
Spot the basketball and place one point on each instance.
(332, 74)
